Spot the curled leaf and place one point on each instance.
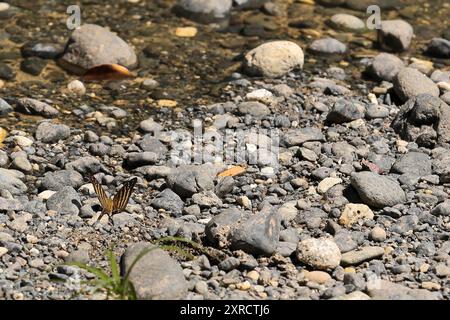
(108, 72)
(233, 171)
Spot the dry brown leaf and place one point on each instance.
(108, 72)
(233, 171)
(3, 135)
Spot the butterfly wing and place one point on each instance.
(121, 198)
(105, 201)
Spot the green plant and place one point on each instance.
(120, 287)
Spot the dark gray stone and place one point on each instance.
(376, 190)
(259, 234)
(169, 201)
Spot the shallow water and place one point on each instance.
(191, 71)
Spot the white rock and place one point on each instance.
(22, 142)
(77, 87)
(3, 251)
(327, 183)
(321, 254)
(274, 59)
(46, 194)
(261, 95)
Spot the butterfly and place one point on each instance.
(118, 202)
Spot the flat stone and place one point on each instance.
(359, 256)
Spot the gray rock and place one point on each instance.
(189, 179)
(255, 109)
(410, 82)
(296, 137)
(322, 253)
(36, 107)
(376, 190)
(22, 164)
(405, 224)
(361, 255)
(425, 249)
(5, 108)
(385, 290)
(286, 249)
(259, 234)
(386, 66)
(123, 219)
(138, 159)
(42, 50)
(60, 179)
(99, 149)
(442, 209)
(10, 204)
(229, 264)
(218, 229)
(344, 241)
(155, 275)
(347, 22)
(376, 111)
(65, 201)
(10, 181)
(4, 159)
(48, 132)
(248, 4)
(424, 119)
(274, 59)
(91, 45)
(205, 11)
(84, 165)
(78, 256)
(206, 199)
(169, 201)
(150, 143)
(345, 111)
(150, 126)
(395, 35)
(416, 163)
(439, 47)
(327, 46)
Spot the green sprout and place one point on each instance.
(120, 287)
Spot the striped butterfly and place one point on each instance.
(117, 203)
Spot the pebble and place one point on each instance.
(376, 190)
(205, 11)
(327, 46)
(409, 83)
(347, 22)
(274, 59)
(386, 66)
(186, 32)
(77, 87)
(322, 253)
(395, 35)
(320, 277)
(378, 234)
(3, 251)
(356, 257)
(328, 183)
